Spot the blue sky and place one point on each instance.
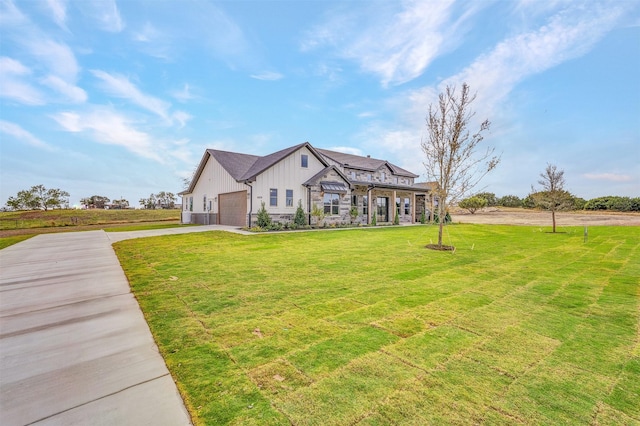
(121, 98)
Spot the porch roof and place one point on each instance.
(390, 186)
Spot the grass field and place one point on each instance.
(367, 327)
(74, 218)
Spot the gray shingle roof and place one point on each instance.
(263, 163)
(234, 163)
(245, 167)
(363, 163)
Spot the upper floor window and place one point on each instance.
(289, 197)
(395, 180)
(304, 160)
(353, 175)
(369, 177)
(273, 197)
(383, 176)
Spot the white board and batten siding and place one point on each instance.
(213, 181)
(286, 174)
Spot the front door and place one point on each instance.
(383, 209)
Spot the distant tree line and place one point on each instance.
(102, 202)
(40, 198)
(608, 203)
(161, 200)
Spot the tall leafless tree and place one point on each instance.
(553, 196)
(450, 150)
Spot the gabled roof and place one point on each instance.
(234, 163)
(263, 163)
(245, 167)
(364, 163)
(314, 179)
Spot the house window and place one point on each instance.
(407, 207)
(365, 205)
(289, 197)
(383, 176)
(273, 197)
(304, 161)
(369, 177)
(331, 204)
(354, 200)
(395, 180)
(190, 204)
(204, 203)
(353, 175)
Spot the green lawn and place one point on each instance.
(367, 327)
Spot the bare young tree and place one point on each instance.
(553, 196)
(450, 150)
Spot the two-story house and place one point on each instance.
(228, 188)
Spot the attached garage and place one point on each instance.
(232, 208)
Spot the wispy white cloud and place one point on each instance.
(109, 127)
(53, 63)
(181, 117)
(184, 94)
(10, 15)
(73, 93)
(120, 86)
(22, 135)
(608, 177)
(267, 76)
(399, 46)
(59, 12)
(104, 12)
(147, 34)
(57, 57)
(14, 86)
(568, 34)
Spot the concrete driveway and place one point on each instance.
(74, 346)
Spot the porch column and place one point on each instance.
(413, 208)
(395, 207)
(369, 206)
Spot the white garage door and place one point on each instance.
(233, 208)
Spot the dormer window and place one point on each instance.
(304, 161)
(383, 176)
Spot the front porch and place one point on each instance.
(387, 201)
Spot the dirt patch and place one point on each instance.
(541, 218)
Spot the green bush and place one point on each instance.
(473, 204)
(614, 203)
(299, 219)
(264, 220)
(423, 218)
(491, 198)
(374, 220)
(396, 218)
(447, 218)
(510, 201)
